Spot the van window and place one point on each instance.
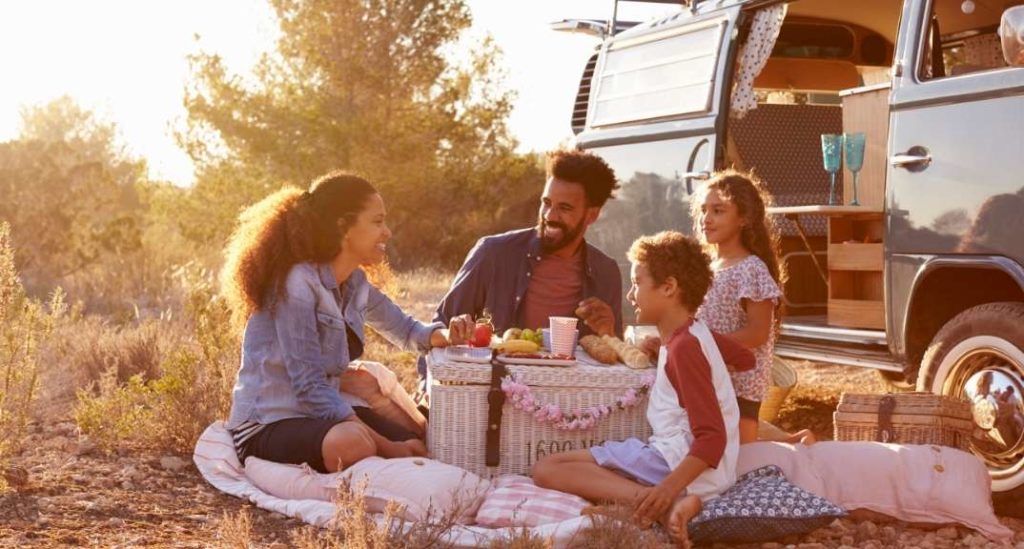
(965, 37)
(669, 76)
(818, 41)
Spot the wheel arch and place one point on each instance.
(943, 287)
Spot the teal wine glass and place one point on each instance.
(853, 150)
(832, 155)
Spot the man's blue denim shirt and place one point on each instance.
(497, 272)
(292, 359)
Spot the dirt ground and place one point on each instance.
(78, 496)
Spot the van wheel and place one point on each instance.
(895, 382)
(979, 356)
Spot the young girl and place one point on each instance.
(692, 453)
(745, 297)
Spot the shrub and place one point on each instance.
(191, 389)
(25, 325)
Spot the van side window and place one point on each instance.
(961, 38)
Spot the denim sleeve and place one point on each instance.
(295, 322)
(467, 294)
(399, 328)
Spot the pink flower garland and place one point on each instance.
(522, 399)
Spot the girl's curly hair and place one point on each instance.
(286, 228)
(759, 236)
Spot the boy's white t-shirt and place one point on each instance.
(673, 436)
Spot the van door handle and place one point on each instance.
(702, 175)
(915, 159)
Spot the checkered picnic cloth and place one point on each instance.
(516, 501)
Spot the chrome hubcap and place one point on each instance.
(993, 382)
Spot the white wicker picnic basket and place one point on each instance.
(457, 430)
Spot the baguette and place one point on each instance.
(597, 348)
(630, 355)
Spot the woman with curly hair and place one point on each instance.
(293, 278)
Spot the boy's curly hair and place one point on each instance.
(673, 254)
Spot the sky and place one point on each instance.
(126, 61)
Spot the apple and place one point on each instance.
(482, 334)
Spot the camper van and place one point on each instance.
(923, 278)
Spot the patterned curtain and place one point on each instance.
(754, 55)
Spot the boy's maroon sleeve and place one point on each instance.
(690, 374)
(735, 355)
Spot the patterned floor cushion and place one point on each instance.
(762, 506)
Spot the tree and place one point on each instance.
(366, 86)
(68, 193)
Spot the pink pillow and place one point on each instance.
(424, 488)
(912, 483)
(517, 501)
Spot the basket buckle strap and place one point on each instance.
(886, 406)
(495, 403)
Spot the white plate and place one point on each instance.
(465, 353)
(537, 361)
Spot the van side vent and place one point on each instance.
(579, 110)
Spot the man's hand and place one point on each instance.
(598, 315)
(460, 329)
(652, 503)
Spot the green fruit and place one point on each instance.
(527, 335)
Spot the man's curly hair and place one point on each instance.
(673, 254)
(586, 169)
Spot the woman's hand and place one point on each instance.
(439, 338)
(652, 503)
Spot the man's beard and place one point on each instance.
(548, 244)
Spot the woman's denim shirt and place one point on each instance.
(292, 359)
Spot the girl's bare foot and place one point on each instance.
(678, 517)
(803, 436)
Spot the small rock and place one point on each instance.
(82, 447)
(846, 540)
(867, 530)
(870, 545)
(948, 532)
(116, 522)
(889, 533)
(173, 463)
(770, 545)
(79, 479)
(57, 442)
(972, 540)
(278, 545)
(811, 546)
(127, 485)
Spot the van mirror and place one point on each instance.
(1011, 33)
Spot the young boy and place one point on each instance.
(691, 455)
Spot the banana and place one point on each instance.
(517, 346)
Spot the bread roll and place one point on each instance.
(630, 355)
(597, 348)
